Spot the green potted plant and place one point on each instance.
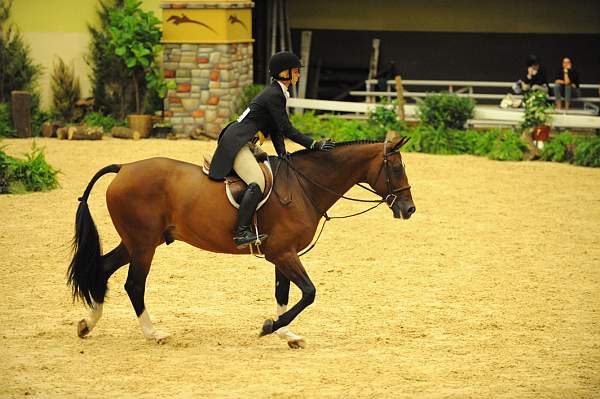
(537, 115)
(135, 38)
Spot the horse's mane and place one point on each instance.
(339, 144)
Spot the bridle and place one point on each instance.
(389, 199)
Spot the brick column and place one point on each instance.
(208, 52)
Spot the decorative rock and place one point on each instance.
(204, 97)
(174, 100)
(199, 113)
(184, 73)
(187, 65)
(190, 104)
(202, 60)
(223, 112)
(189, 47)
(214, 76)
(169, 73)
(184, 88)
(215, 57)
(210, 115)
(214, 85)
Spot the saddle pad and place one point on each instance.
(234, 186)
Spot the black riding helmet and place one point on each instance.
(282, 61)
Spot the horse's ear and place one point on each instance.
(403, 140)
(392, 136)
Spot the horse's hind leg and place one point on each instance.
(111, 262)
(136, 286)
(282, 293)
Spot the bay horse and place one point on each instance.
(158, 200)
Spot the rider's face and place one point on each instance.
(295, 75)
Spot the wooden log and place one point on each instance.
(84, 132)
(21, 112)
(122, 132)
(400, 96)
(62, 133)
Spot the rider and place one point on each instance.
(267, 114)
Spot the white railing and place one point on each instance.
(466, 88)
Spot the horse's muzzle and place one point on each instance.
(403, 209)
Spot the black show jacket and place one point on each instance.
(267, 113)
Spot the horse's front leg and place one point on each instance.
(282, 293)
(290, 267)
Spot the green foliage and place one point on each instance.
(248, 93)
(106, 122)
(384, 118)
(507, 146)
(17, 69)
(446, 110)
(556, 148)
(6, 128)
(587, 151)
(135, 38)
(537, 109)
(112, 86)
(66, 91)
(335, 128)
(30, 174)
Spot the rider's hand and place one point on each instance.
(287, 156)
(323, 145)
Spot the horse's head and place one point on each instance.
(388, 178)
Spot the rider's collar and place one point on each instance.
(284, 88)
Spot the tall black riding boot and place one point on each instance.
(244, 234)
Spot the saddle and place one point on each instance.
(234, 186)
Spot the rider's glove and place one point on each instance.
(323, 145)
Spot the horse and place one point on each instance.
(158, 200)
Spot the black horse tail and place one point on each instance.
(85, 274)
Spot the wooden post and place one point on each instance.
(21, 113)
(400, 96)
(373, 65)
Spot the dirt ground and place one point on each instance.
(491, 290)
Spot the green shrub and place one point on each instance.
(66, 91)
(17, 69)
(439, 140)
(507, 146)
(112, 87)
(446, 110)
(587, 152)
(335, 128)
(385, 118)
(106, 122)
(6, 129)
(248, 93)
(30, 174)
(556, 148)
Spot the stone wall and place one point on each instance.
(210, 79)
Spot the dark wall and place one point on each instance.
(447, 55)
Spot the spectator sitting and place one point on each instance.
(535, 78)
(566, 84)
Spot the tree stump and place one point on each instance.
(21, 113)
(122, 132)
(49, 129)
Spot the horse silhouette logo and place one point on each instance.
(184, 19)
(233, 19)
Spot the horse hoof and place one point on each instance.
(297, 344)
(82, 328)
(267, 328)
(162, 338)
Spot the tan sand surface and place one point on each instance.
(491, 290)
